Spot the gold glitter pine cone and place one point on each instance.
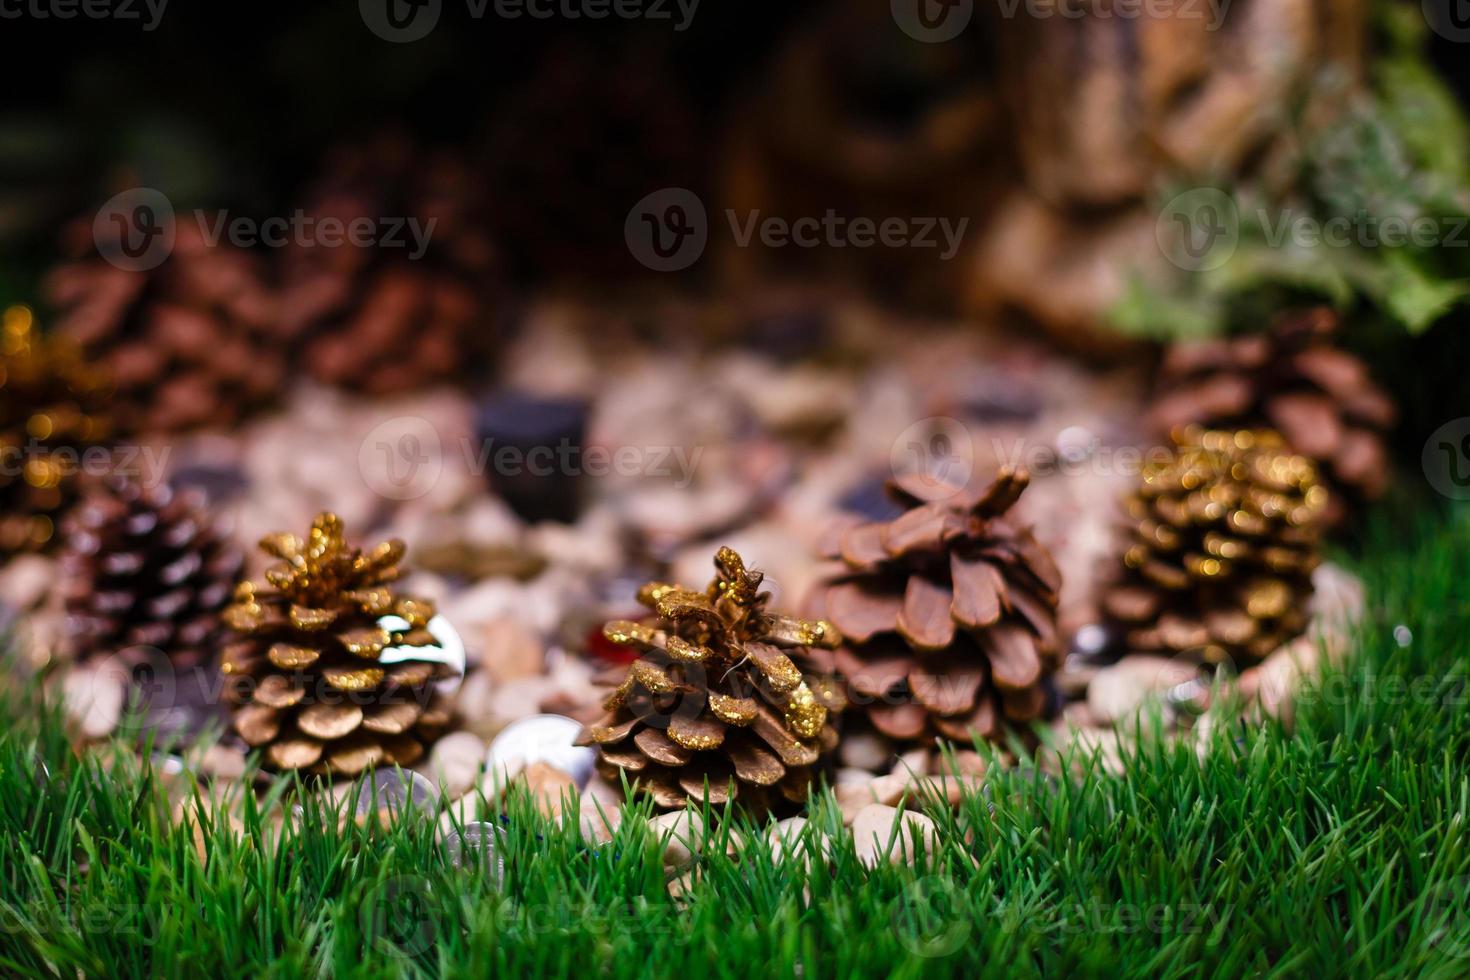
(145, 569)
(1293, 379)
(949, 613)
(52, 409)
(305, 674)
(718, 702)
(1223, 539)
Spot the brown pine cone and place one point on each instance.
(188, 344)
(588, 135)
(857, 117)
(380, 317)
(714, 704)
(1222, 546)
(146, 570)
(949, 614)
(309, 682)
(51, 412)
(1294, 380)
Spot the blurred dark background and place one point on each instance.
(235, 105)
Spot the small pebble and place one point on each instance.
(682, 833)
(95, 696)
(883, 833)
(455, 762)
(1117, 692)
(549, 787)
(598, 820)
(511, 650)
(541, 738)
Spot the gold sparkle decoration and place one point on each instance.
(309, 684)
(1223, 543)
(723, 694)
(52, 410)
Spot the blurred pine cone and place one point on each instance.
(857, 117)
(415, 306)
(309, 683)
(948, 614)
(1223, 544)
(187, 344)
(589, 134)
(714, 704)
(1295, 380)
(146, 570)
(52, 409)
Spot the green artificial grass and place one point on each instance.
(1335, 849)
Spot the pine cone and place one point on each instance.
(310, 684)
(379, 317)
(949, 613)
(1224, 542)
(588, 135)
(50, 413)
(1294, 380)
(146, 570)
(714, 703)
(187, 343)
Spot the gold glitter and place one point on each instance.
(344, 679)
(732, 711)
(804, 715)
(626, 633)
(681, 649)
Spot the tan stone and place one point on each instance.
(884, 833)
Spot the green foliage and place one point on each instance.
(1397, 155)
(1334, 849)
